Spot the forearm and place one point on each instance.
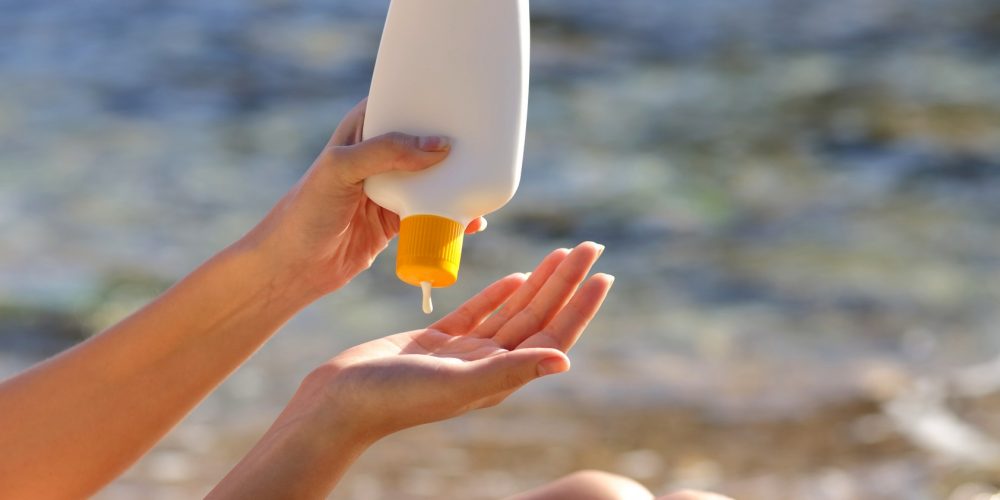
(71, 424)
(302, 456)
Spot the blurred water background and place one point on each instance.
(800, 199)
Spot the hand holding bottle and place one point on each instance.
(325, 230)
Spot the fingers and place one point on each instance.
(566, 328)
(390, 152)
(523, 296)
(351, 127)
(386, 219)
(509, 371)
(552, 296)
(476, 309)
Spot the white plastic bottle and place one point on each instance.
(457, 68)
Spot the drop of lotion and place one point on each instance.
(425, 286)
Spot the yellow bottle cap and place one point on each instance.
(430, 250)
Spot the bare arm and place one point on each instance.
(76, 421)
(471, 359)
(70, 425)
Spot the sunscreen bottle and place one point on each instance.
(457, 68)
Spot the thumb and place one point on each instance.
(389, 152)
(512, 370)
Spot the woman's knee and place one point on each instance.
(610, 486)
(693, 495)
(590, 485)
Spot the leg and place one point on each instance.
(589, 485)
(693, 495)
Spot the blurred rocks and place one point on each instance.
(801, 202)
(37, 332)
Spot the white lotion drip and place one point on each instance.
(425, 286)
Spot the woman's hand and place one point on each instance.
(462, 362)
(471, 359)
(325, 230)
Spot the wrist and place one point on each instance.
(303, 455)
(326, 405)
(320, 437)
(284, 276)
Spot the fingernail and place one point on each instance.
(600, 249)
(433, 143)
(611, 279)
(552, 366)
(484, 224)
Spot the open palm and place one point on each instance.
(473, 358)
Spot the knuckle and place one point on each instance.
(337, 154)
(399, 142)
(340, 164)
(567, 279)
(502, 316)
(532, 317)
(552, 339)
(400, 149)
(466, 319)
